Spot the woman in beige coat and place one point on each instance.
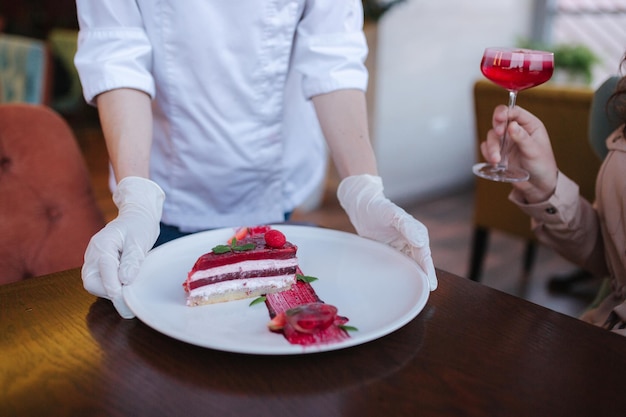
(592, 235)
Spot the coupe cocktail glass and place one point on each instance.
(514, 69)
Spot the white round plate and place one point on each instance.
(378, 288)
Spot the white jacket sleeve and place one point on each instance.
(113, 48)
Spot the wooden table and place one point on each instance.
(472, 351)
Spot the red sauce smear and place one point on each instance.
(303, 293)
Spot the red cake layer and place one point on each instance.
(261, 251)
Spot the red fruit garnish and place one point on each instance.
(311, 318)
(257, 230)
(275, 239)
(242, 232)
(277, 323)
(239, 234)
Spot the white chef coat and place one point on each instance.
(236, 140)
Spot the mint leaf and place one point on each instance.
(348, 328)
(257, 300)
(305, 278)
(221, 249)
(242, 248)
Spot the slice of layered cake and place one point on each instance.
(256, 261)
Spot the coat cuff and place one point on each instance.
(559, 208)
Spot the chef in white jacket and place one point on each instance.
(228, 108)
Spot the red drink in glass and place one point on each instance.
(517, 69)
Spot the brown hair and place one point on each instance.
(618, 99)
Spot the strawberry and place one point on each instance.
(257, 230)
(311, 318)
(239, 234)
(278, 322)
(275, 239)
(305, 318)
(242, 232)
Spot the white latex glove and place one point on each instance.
(115, 254)
(375, 217)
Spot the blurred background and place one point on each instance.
(424, 59)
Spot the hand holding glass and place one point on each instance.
(514, 69)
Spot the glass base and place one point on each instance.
(500, 174)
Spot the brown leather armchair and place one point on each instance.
(47, 208)
(565, 112)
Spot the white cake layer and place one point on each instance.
(242, 287)
(244, 267)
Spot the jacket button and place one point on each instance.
(551, 210)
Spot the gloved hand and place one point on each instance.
(375, 217)
(115, 254)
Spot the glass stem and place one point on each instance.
(505, 140)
